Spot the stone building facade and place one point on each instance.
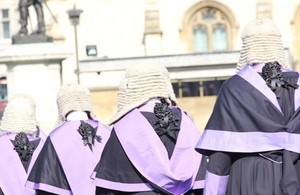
(197, 40)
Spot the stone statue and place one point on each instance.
(39, 34)
(24, 14)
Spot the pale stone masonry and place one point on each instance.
(127, 32)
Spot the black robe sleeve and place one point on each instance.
(219, 163)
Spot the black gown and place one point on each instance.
(114, 158)
(279, 165)
(270, 172)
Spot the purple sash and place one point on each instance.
(149, 156)
(77, 160)
(250, 74)
(215, 184)
(12, 173)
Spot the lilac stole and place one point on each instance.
(149, 156)
(250, 74)
(245, 140)
(12, 173)
(215, 184)
(77, 160)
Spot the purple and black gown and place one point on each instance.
(18, 153)
(67, 160)
(252, 137)
(151, 150)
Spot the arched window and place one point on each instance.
(208, 27)
(200, 38)
(219, 38)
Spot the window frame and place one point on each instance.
(188, 23)
(5, 20)
(210, 24)
(179, 91)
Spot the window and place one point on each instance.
(209, 26)
(5, 24)
(3, 95)
(176, 89)
(219, 38)
(3, 89)
(200, 39)
(190, 89)
(197, 88)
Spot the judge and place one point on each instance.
(151, 147)
(21, 141)
(72, 149)
(252, 135)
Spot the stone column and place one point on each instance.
(152, 34)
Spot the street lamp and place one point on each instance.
(74, 15)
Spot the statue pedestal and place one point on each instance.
(35, 69)
(32, 38)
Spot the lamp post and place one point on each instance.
(74, 15)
